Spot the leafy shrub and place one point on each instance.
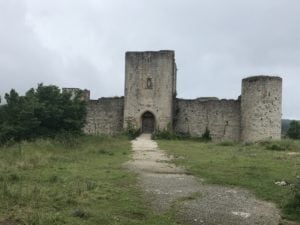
(294, 130)
(131, 132)
(169, 134)
(281, 145)
(293, 206)
(227, 143)
(165, 134)
(206, 135)
(275, 147)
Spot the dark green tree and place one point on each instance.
(17, 120)
(294, 130)
(45, 111)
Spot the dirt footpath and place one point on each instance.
(166, 185)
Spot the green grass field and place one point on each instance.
(82, 181)
(48, 182)
(254, 167)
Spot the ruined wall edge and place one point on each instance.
(105, 116)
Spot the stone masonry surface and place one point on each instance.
(150, 87)
(220, 117)
(104, 116)
(261, 108)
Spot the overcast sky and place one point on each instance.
(82, 43)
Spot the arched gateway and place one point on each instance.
(148, 122)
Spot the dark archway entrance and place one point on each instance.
(148, 122)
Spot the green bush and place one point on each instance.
(275, 147)
(281, 145)
(169, 134)
(293, 206)
(294, 130)
(165, 134)
(206, 135)
(227, 143)
(131, 132)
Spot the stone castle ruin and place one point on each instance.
(150, 104)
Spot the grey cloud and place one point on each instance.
(217, 43)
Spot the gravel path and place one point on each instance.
(166, 185)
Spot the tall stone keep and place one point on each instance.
(150, 89)
(261, 102)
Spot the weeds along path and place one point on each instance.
(168, 187)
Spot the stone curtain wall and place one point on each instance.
(105, 116)
(150, 86)
(221, 117)
(261, 108)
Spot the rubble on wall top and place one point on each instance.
(207, 99)
(108, 98)
(262, 77)
(151, 52)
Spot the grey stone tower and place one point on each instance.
(261, 108)
(150, 88)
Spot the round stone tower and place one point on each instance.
(261, 108)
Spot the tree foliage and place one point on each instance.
(41, 112)
(294, 130)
